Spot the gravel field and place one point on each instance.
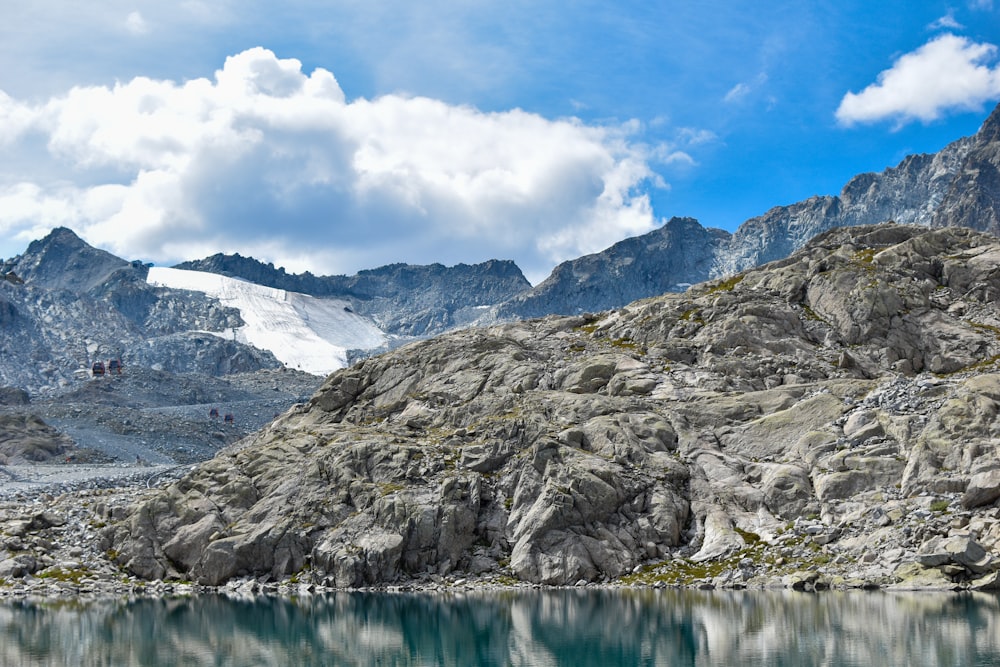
(26, 481)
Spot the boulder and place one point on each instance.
(959, 549)
(983, 489)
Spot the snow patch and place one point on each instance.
(302, 331)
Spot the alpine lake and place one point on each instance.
(585, 626)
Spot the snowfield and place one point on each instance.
(303, 332)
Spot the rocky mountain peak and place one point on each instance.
(676, 254)
(973, 196)
(989, 132)
(957, 186)
(62, 260)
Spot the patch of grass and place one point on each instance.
(627, 344)
(390, 487)
(940, 505)
(74, 576)
(811, 315)
(586, 328)
(766, 557)
(748, 537)
(865, 255)
(692, 315)
(727, 284)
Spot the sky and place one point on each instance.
(335, 136)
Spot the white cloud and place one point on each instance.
(742, 90)
(737, 93)
(15, 119)
(135, 24)
(946, 22)
(948, 73)
(267, 160)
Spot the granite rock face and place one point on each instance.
(829, 409)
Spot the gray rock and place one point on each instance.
(983, 489)
(958, 549)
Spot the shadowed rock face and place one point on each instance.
(848, 378)
(27, 438)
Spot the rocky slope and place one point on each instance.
(64, 305)
(826, 419)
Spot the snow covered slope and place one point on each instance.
(302, 331)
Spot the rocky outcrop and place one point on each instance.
(973, 196)
(832, 413)
(28, 438)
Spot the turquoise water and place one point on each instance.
(561, 627)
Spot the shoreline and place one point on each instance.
(52, 547)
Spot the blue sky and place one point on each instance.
(337, 136)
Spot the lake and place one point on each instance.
(516, 627)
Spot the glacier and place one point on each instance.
(303, 332)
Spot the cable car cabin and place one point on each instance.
(115, 367)
(97, 370)
(229, 419)
(214, 413)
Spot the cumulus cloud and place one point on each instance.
(948, 73)
(265, 159)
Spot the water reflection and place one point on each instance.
(564, 627)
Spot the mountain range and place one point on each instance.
(66, 304)
(957, 186)
(827, 418)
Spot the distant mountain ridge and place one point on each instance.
(957, 186)
(79, 303)
(404, 299)
(668, 259)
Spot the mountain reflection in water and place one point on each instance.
(559, 627)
